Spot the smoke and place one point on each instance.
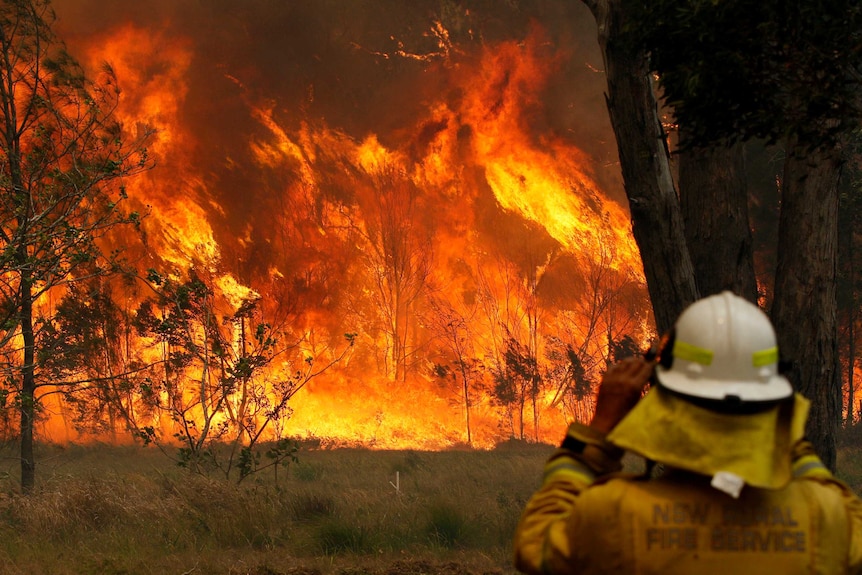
(199, 70)
(339, 61)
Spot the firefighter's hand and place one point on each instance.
(620, 390)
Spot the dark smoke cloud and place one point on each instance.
(321, 57)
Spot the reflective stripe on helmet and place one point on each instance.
(765, 357)
(691, 352)
(703, 356)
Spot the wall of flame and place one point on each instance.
(291, 134)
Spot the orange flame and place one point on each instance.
(488, 138)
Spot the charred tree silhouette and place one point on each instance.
(511, 302)
(603, 313)
(516, 382)
(399, 256)
(90, 349)
(453, 330)
(573, 389)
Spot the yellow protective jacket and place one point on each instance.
(586, 520)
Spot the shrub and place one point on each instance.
(307, 506)
(447, 525)
(334, 537)
(307, 473)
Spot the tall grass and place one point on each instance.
(128, 510)
(849, 464)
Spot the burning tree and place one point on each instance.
(63, 159)
(399, 256)
(88, 344)
(573, 390)
(517, 382)
(594, 332)
(453, 329)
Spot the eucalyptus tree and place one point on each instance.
(64, 157)
(787, 72)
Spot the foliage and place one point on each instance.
(572, 386)
(63, 160)
(213, 387)
(452, 329)
(517, 382)
(82, 347)
(747, 69)
(447, 525)
(623, 348)
(336, 536)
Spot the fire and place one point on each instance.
(544, 180)
(133, 53)
(389, 233)
(371, 155)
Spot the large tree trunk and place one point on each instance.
(851, 337)
(851, 366)
(656, 220)
(804, 310)
(719, 237)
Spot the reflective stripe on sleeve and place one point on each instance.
(810, 466)
(565, 467)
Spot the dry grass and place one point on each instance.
(128, 510)
(850, 457)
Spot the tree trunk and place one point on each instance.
(805, 305)
(465, 378)
(851, 326)
(656, 220)
(28, 388)
(851, 360)
(719, 237)
(467, 408)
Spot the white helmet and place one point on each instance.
(724, 348)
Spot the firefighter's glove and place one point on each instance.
(622, 387)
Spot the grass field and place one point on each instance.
(129, 510)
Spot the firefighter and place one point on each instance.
(741, 492)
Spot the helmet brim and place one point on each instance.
(773, 388)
